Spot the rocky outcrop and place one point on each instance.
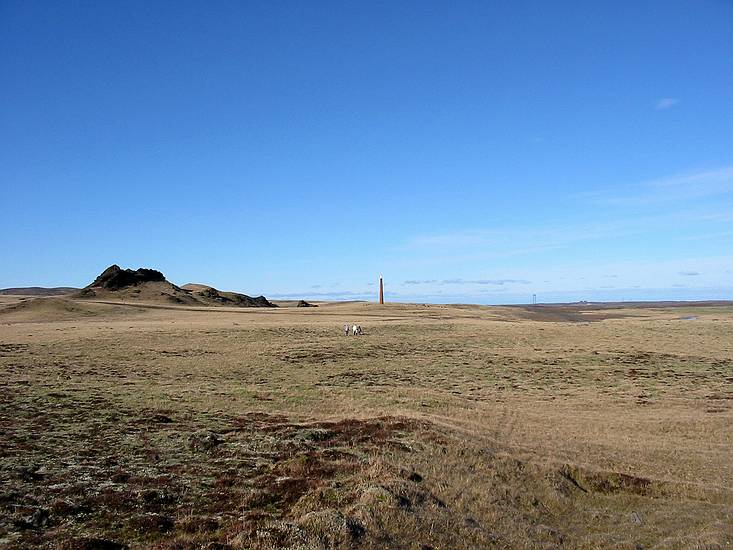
(150, 286)
(115, 278)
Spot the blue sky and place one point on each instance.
(469, 151)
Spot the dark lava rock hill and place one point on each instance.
(115, 278)
(227, 298)
(151, 286)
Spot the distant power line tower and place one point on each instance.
(381, 290)
(534, 299)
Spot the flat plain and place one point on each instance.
(441, 427)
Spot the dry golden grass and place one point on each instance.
(442, 427)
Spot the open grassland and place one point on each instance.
(441, 427)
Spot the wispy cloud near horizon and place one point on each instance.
(514, 242)
(681, 187)
(496, 282)
(665, 103)
(348, 294)
(459, 281)
(702, 277)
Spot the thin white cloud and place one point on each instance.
(497, 282)
(681, 187)
(705, 177)
(665, 103)
(459, 281)
(689, 273)
(728, 235)
(309, 294)
(521, 242)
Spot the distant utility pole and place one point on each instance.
(381, 290)
(534, 299)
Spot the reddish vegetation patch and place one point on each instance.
(618, 483)
(360, 431)
(146, 477)
(608, 482)
(343, 432)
